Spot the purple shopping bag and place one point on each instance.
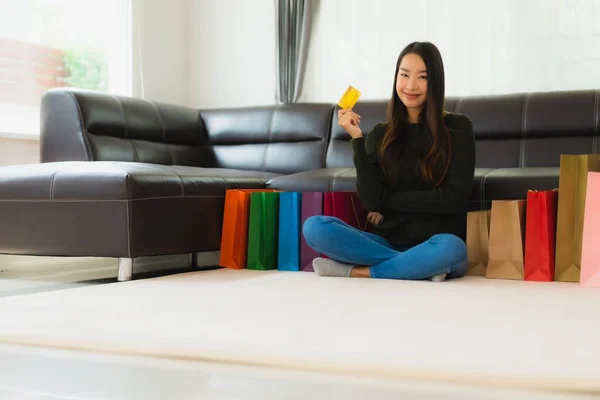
(312, 204)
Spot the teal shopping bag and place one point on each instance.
(290, 231)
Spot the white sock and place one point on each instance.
(438, 278)
(328, 267)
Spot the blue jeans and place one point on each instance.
(441, 254)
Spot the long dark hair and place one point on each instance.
(439, 155)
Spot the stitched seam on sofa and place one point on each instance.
(198, 125)
(135, 153)
(200, 196)
(123, 116)
(164, 132)
(266, 142)
(523, 129)
(181, 184)
(172, 173)
(225, 181)
(332, 181)
(128, 220)
(329, 138)
(86, 144)
(596, 121)
(266, 149)
(52, 180)
(482, 189)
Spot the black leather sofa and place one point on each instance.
(126, 178)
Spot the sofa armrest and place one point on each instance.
(62, 133)
(85, 125)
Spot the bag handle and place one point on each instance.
(356, 215)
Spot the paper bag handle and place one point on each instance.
(356, 215)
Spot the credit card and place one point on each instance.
(350, 98)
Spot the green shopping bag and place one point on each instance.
(263, 230)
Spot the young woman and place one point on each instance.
(414, 175)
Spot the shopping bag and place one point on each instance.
(347, 207)
(263, 225)
(234, 235)
(590, 250)
(290, 231)
(312, 204)
(540, 235)
(572, 187)
(478, 241)
(507, 231)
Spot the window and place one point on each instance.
(53, 43)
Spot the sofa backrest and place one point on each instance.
(82, 125)
(339, 152)
(284, 139)
(532, 129)
(515, 130)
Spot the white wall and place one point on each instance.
(492, 46)
(14, 151)
(204, 53)
(232, 53)
(221, 53)
(161, 50)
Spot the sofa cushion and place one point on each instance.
(513, 183)
(344, 179)
(477, 192)
(115, 209)
(318, 180)
(119, 181)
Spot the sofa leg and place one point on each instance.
(125, 269)
(194, 260)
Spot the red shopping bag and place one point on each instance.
(312, 204)
(347, 207)
(540, 235)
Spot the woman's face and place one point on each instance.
(411, 82)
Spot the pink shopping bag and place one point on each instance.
(590, 250)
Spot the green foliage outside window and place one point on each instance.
(88, 69)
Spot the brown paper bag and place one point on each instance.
(507, 238)
(478, 241)
(572, 188)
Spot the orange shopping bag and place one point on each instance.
(234, 236)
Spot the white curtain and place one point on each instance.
(489, 47)
(292, 34)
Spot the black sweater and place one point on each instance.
(414, 210)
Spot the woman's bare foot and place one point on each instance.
(360, 272)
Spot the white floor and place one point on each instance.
(27, 274)
(45, 374)
(28, 372)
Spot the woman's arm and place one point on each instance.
(453, 195)
(371, 185)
